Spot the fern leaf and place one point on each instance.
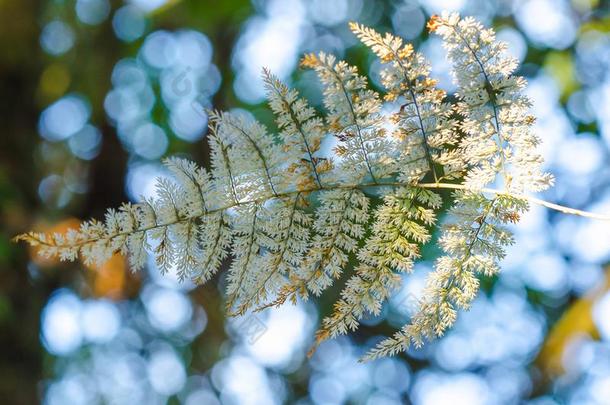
(339, 225)
(246, 247)
(254, 155)
(288, 230)
(400, 227)
(252, 206)
(302, 131)
(424, 124)
(354, 116)
(472, 248)
(504, 144)
(216, 236)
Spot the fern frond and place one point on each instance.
(355, 119)
(292, 217)
(401, 225)
(222, 172)
(302, 131)
(288, 232)
(498, 141)
(254, 155)
(247, 243)
(339, 225)
(472, 248)
(424, 124)
(216, 237)
(499, 136)
(195, 185)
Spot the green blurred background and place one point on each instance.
(96, 92)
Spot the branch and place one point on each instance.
(556, 207)
(538, 201)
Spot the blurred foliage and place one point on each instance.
(577, 321)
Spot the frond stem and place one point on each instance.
(450, 186)
(538, 201)
(225, 156)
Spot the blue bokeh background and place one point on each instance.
(539, 334)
